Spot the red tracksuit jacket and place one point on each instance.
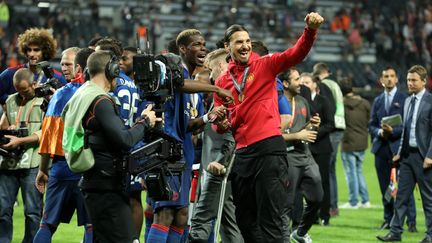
(257, 117)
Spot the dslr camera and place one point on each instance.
(17, 152)
(45, 89)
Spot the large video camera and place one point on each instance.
(156, 160)
(162, 150)
(17, 152)
(51, 83)
(157, 76)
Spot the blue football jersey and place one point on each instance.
(127, 98)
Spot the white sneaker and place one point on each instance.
(366, 205)
(349, 206)
(300, 239)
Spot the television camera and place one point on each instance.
(157, 77)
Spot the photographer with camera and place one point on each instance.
(103, 185)
(62, 194)
(22, 113)
(36, 45)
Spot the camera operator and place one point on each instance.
(108, 138)
(36, 45)
(22, 112)
(63, 195)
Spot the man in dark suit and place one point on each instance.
(386, 140)
(415, 154)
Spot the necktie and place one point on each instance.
(409, 120)
(387, 103)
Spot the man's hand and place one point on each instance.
(307, 135)
(216, 168)
(225, 95)
(314, 20)
(396, 160)
(218, 113)
(315, 121)
(13, 143)
(427, 163)
(387, 130)
(223, 124)
(148, 112)
(41, 181)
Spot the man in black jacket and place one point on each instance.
(321, 149)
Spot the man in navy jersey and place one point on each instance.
(36, 45)
(125, 92)
(183, 115)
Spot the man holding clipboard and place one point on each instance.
(385, 127)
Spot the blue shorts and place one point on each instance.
(62, 198)
(180, 185)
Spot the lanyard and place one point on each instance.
(40, 77)
(293, 111)
(17, 119)
(241, 87)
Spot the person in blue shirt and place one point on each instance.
(170, 217)
(36, 45)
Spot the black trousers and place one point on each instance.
(412, 172)
(261, 200)
(383, 168)
(111, 215)
(323, 161)
(305, 180)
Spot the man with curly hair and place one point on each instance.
(36, 45)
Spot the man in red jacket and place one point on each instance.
(260, 172)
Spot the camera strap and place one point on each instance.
(17, 119)
(40, 77)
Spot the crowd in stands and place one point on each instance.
(400, 33)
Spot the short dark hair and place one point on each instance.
(346, 85)
(220, 43)
(388, 68)
(420, 70)
(94, 40)
(131, 49)
(285, 74)
(172, 47)
(111, 44)
(97, 62)
(260, 48)
(231, 30)
(82, 56)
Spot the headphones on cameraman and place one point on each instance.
(112, 68)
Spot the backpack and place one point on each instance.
(78, 155)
